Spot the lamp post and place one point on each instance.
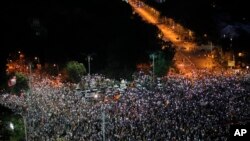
(30, 75)
(153, 56)
(231, 46)
(103, 122)
(28, 102)
(57, 68)
(89, 58)
(103, 116)
(37, 59)
(25, 128)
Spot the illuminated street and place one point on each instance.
(184, 57)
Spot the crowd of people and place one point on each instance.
(169, 108)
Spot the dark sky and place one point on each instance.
(54, 27)
(62, 30)
(212, 17)
(47, 27)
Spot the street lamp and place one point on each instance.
(231, 46)
(57, 68)
(103, 117)
(37, 59)
(89, 58)
(103, 122)
(30, 75)
(153, 56)
(28, 101)
(25, 127)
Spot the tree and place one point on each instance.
(11, 126)
(21, 83)
(18, 133)
(74, 71)
(162, 64)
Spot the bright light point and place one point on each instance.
(96, 96)
(240, 54)
(247, 67)
(181, 65)
(159, 35)
(11, 126)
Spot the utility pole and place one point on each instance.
(28, 102)
(89, 59)
(103, 123)
(30, 72)
(25, 128)
(37, 59)
(231, 46)
(153, 56)
(153, 66)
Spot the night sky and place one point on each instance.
(206, 16)
(63, 30)
(60, 31)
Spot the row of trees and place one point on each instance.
(19, 82)
(73, 71)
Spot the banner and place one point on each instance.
(12, 81)
(231, 63)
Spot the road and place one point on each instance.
(186, 60)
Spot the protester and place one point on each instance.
(170, 108)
